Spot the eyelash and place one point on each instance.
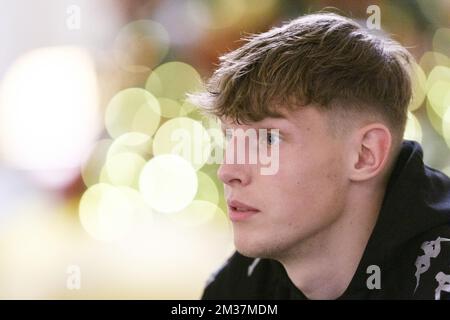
(270, 134)
(267, 136)
(227, 135)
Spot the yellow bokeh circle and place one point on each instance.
(107, 212)
(132, 110)
(168, 183)
(173, 80)
(185, 137)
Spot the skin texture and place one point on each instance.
(318, 210)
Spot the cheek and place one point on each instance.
(317, 170)
(313, 187)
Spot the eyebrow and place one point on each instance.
(263, 123)
(276, 123)
(284, 131)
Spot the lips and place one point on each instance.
(240, 211)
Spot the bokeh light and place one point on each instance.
(141, 45)
(438, 84)
(168, 183)
(198, 212)
(123, 169)
(170, 108)
(222, 14)
(134, 142)
(107, 212)
(207, 189)
(431, 59)
(49, 115)
(132, 110)
(37, 244)
(419, 87)
(446, 170)
(446, 127)
(184, 137)
(434, 118)
(216, 14)
(187, 108)
(439, 97)
(173, 80)
(441, 41)
(413, 129)
(91, 169)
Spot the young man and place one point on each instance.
(352, 211)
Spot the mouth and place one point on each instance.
(239, 211)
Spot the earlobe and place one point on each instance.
(372, 149)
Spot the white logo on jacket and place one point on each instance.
(431, 249)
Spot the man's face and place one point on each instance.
(304, 197)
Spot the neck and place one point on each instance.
(323, 266)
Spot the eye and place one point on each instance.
(271, 137)
(228, 134)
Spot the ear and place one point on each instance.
(371, 148)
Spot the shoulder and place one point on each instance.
(243, 278)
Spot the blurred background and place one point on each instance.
(97, 197)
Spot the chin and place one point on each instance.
(250, 253)
(253, 249)
(247, 248)
(269, 246)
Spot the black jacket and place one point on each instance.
(410, 244)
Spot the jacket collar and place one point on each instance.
(412, 205)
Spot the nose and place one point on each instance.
(231, 172)
(234, 174)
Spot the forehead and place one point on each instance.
(287, 120)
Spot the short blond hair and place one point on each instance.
(322, 59)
